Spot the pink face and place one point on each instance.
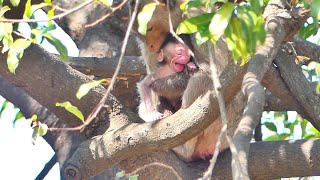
(177, 54)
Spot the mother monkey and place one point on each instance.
(158, 31)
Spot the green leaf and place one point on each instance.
(270, 126)
(27, 11)
(2, 30)
(7, 39)
(15, 2)
(47, 1)
(318, 88)
(133, 177)
(34, 117)
(4, 105)
(257, 6)
(50, 15)
(315, 10)
(272, 138)
(303, 126)
(284, 136)
(72, 109)
(85, 88)
(30, 9)
(19, 115)
(144, 17)
(4, 10)
(7, 42)
(190, 4)
(40, 32)
(220, 21)
(120, 174)
(58, 45)
(42, 129)
(16, 52)
(194, 24)
(307, 31)
(107, 3)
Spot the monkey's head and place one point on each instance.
(175, 55)
(158, 27)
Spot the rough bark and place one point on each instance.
(272, 160)
(305, 48)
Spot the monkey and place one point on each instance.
(203, 145)
(168, 81)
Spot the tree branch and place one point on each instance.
(307, 49)
(293, 158)
(278, 29)
(298, 84)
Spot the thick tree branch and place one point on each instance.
(298, 84)
(276, 85)
(42, 75)
(272, 160)
(278, 29)
(133, 66)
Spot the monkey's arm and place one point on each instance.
(148, 108)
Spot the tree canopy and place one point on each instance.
(86, 105)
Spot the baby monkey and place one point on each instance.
(168, 81)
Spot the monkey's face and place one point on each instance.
(175, 55)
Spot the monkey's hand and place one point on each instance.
(152, 116)
(191, 67)
(149, 114)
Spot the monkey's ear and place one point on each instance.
(161, 56)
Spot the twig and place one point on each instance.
(156, 164)
(49, 19)
(222, 108)
(112, 9)
(98, 107)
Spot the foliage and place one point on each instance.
(86, 87)
(281, 127)
(311, 27)
(144, 17)
(241, 24)
(39, 129)
(16, 48)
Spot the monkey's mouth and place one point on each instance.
(177, 67)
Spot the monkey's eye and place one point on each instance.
(150, 28)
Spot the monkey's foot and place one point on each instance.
(156, 116)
